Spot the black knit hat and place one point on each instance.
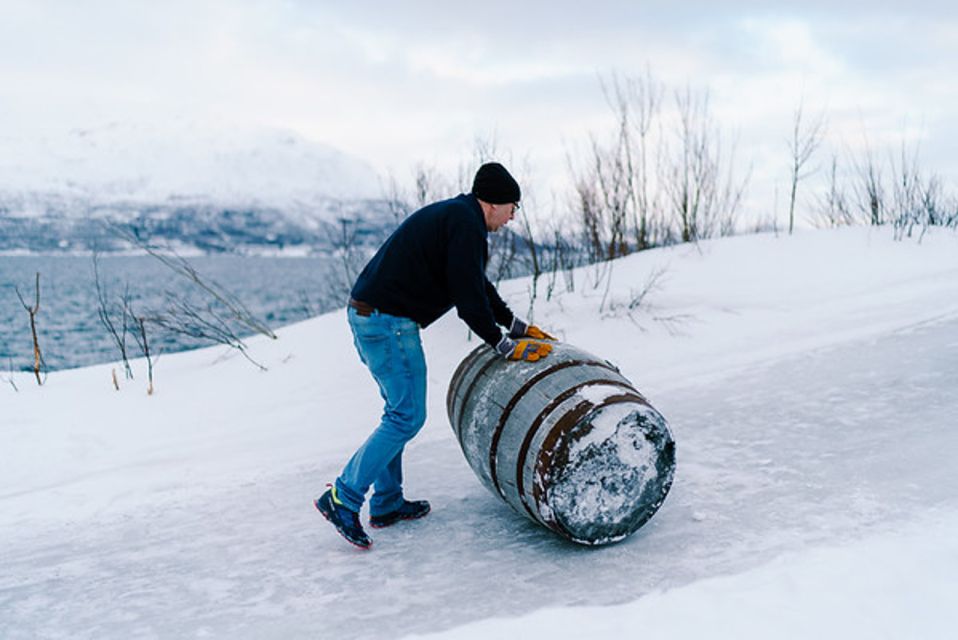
(493, 184)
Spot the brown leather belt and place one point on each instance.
(362, 309)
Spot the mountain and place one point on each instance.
(213, 188)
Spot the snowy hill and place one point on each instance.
(254, 186)
(809, 382)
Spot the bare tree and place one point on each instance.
(805, 140)
(33, 310)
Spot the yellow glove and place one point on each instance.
(520, 329)
(529, 350)
(538, 334)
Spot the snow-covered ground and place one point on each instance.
(809, 382)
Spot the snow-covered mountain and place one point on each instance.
(213, 187)
(809, 381)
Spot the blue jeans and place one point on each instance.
(390, 347)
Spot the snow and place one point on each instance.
(596, 393)
(856, 590)
(808, 381)
(611, 471)
(585, 496)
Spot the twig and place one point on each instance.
(235, 308)
(33, 310)
(141, 340)
(10, 377)
(185, 319)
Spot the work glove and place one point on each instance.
(524, 349)
(521, 329)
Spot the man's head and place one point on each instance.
(498, 194)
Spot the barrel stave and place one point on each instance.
(552, 395)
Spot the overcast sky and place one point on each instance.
(397, 83)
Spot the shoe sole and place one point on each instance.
(339, 531)
(399, 519)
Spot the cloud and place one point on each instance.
(399, 83)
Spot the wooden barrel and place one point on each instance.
(567, 441)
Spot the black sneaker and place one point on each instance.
(345, 520)
(408, 511)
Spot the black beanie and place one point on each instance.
(493, 184)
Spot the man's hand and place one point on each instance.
(530, 350)
(538, 334)
(525, 349)
(520, 329)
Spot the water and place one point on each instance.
(276, 290)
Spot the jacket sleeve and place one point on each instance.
(500, 311)
(467, 282)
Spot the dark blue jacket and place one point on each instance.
(435, 260)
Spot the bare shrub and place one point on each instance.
(899, 193)
(533, 263)
(10, 378)
(221, 319)
(644, 95)
(562, 257)
(232, 307)
(917, 199)
(185, 318)
(141, 337)
(639, 303)
(606, 199)
(660, 177)
(868, 189)
(805, 140)
(702, 192)
(834, 209)
(349, 257)
(113, 316)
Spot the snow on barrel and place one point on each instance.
(566, 441)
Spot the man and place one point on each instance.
(435, 260)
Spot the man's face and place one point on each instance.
(500, 214)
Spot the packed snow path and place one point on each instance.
(825, 446)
